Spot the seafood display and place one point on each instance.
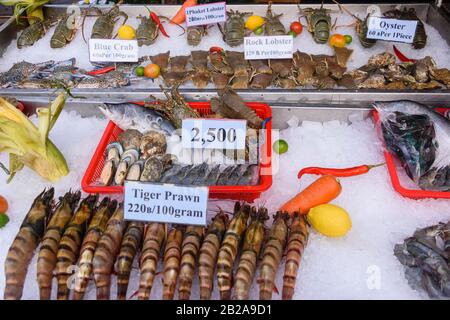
(104, 25)
(95, 230)
(272, 254)
(382, 72)
(229, 68)
(297, 240)
(70, 244)
(209, 253)
(229, 249)
(33, 33)
(172, 259)
(253, 241)
(48, 251)
(151, 248)
(234, 28)
(420, 138)
(245, 242)
(190, 248)
(27, 240)
(106, 253)
(319, 23)
(131, 245)
(425, 256)
(273, 25)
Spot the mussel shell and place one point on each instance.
(135, 170)
(113, 150)
(121, 173)
(131, 156)
(108, 171)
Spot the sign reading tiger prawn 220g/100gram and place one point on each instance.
(271, 47)
(391, 29)
(165, 203)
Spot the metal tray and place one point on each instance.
(275, 97)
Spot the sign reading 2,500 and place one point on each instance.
(213, 134)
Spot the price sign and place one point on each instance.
(273, 47)
(109, 50)
(206, 14)
(213, 134)
(391, 29)
(165, 203)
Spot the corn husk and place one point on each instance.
(33, 8)
(28, 144)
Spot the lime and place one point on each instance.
(258, 31)
(3, 220)
(348, 39)
(330, 220)
(139, 71)
(280, 146)
(292, 33)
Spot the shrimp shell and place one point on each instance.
(272, 255)
(298, 238)
(95, 230)
(131, 244)
(208, 254)
(49, 246)
(229, 248)
(22, 249)
(189, 251)
(69, 247)
(253, 241)
(106, 252)
(153, 241)
(172, 257)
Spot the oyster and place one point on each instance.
(153, 143)
(130, 138)
(441, 75)
(155, 166)
(422, 69)
(375, 81)
(352, 79)
(382, 60)
(135, 170)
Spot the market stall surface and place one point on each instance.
(360, 265)
(41, 51)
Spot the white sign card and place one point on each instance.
(204, 14)
(110, 50)
(271, 47)
(213, 134)
(165, 203)
(391, 29)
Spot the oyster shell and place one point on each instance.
(153, 143)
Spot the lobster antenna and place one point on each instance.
(341, 7)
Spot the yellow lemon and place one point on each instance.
(126, 32)
(254, 22)
(330, 220)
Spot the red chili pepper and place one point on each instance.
(344, 172)
(401, 56)
(101, 71)
(215, 50)
(156, 20)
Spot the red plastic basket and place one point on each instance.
(248, 193)
(392, 167)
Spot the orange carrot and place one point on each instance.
(321, 191)
(180, 16)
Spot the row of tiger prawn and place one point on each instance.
(93, 239)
